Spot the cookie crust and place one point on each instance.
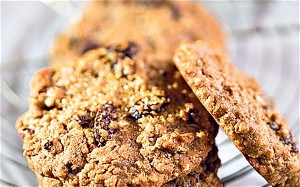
(243, 111)
(201, 177)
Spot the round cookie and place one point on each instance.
(111, 119)
(241, 108)
(158, 26)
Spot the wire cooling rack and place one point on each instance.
(263, 41)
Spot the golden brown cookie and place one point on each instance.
(111, 119)
(241, 108)
(158, 26)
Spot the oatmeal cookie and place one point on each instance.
(110, 119)
(158, 26)
(242, 109)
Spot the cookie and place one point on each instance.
(242, 109)
(110, 119)
(157, 26)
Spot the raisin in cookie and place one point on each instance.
(158, 26)
(241, 108)
(111, 119)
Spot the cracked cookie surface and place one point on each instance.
(110, 119)
(241, 108)
(157, 25)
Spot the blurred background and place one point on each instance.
(263, 41)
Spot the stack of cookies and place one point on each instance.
(132, 100)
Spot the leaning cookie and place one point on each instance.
(241, 108)
(157, 25)
(110, 119)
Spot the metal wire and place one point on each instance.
(14, 99)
